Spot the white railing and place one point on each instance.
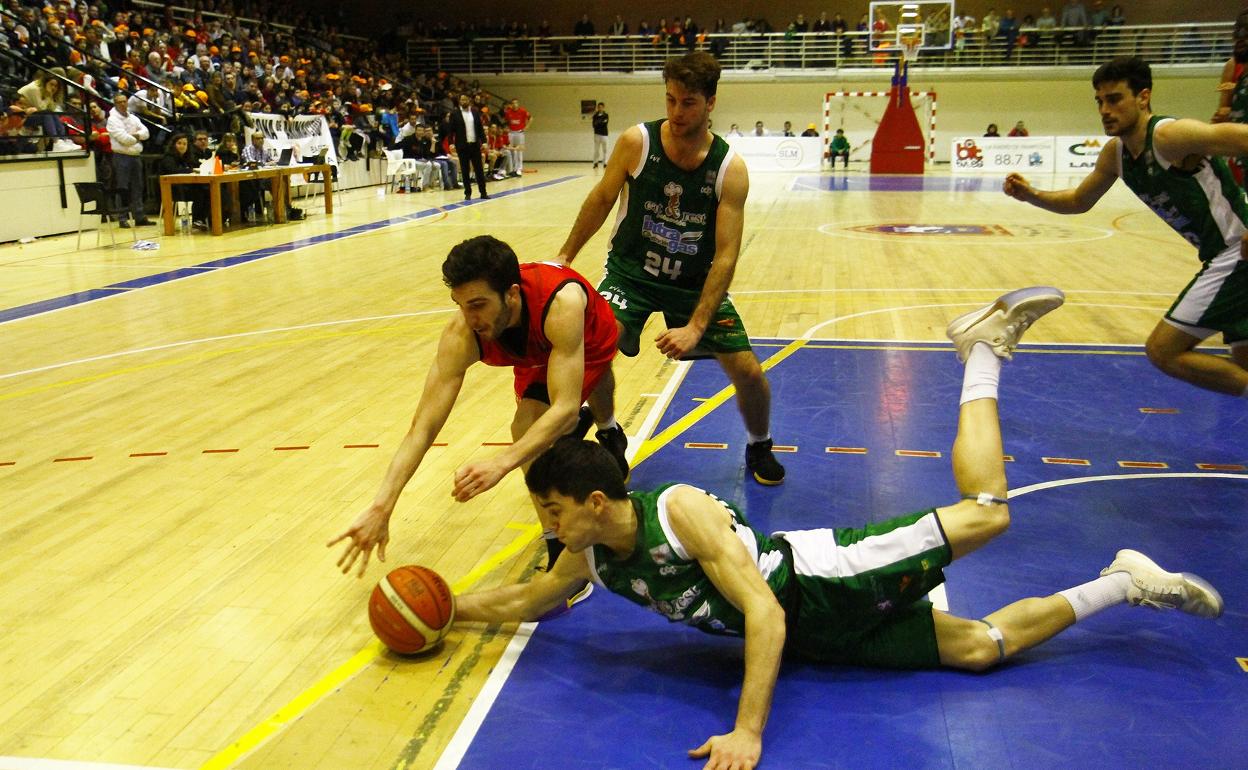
(1169, 44)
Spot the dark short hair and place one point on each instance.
(1131, 69)
(576, 468)
(697, 71)
(483, 258)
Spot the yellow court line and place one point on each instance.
(654, 444)
(339, 676)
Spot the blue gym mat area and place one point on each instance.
(609, 685)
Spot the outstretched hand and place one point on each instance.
(371, 528)
(738, 750)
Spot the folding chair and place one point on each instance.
(101, 204)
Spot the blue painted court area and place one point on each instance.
(611, 686)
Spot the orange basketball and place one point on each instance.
(411, 609)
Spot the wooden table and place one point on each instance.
(279, 187)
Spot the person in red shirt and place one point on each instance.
(1019, 130)
(559, 335)
(518, 120)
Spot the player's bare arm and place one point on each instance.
(704, 526)
(1074, 200)
(457, 350)
(600, 201)
(729, 224)
(526, 601)
(565, 372)
(1179, 139)
(1226, 88)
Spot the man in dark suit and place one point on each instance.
(469, 134)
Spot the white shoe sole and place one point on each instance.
(1001, 324)
(1199, 598)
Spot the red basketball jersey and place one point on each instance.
(517, 119)
(539, 282)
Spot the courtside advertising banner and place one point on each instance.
(998, 154)
(1078, 153)
(778, 153)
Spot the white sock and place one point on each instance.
(1090, 598)
(982, 374)
(606, 425)
(753, 439)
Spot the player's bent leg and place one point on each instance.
(1171, 349)
(754, 402)
(978, 645)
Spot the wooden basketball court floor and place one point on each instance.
(185, 428)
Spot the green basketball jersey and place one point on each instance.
(665, 225)
(660, 576)
(1205, 206)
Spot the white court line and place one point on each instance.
(454, 752)
(1121, 477)
(183, 343)
(810, 333)
(33, 763)
(458, 745)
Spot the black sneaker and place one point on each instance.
(760, 462)
(615, 442)
(584, 421)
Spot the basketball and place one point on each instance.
(411, 609)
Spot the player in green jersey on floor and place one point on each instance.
(849, 596)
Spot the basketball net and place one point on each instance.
(909, 45)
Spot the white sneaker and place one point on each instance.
(1002, 323)
(65, 145)
(1151, 586)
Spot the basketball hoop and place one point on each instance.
(910, 46)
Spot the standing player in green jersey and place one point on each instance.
(675, 244)
(847, 596)
(1233, 90)
(1175, 169)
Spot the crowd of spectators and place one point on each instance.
(63, 66)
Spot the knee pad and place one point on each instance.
(995, 635)
(987, 498)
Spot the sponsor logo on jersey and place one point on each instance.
(672, 210)
(729, 323)
(661, 554)
(671, 239)
(1161, 206)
